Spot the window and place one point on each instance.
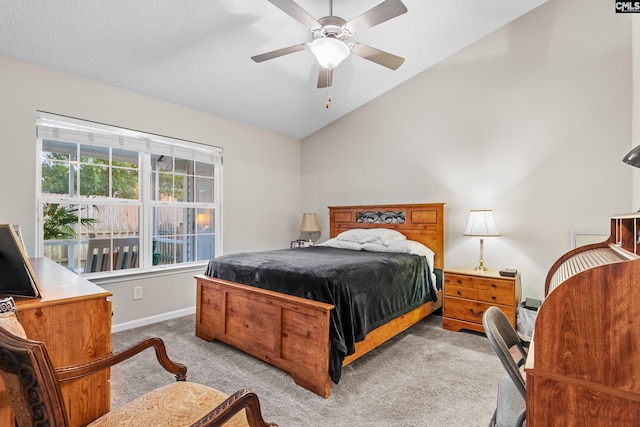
(112, 200)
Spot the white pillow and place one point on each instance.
(400, 246)
(411, 247)
(375, 247)
(384, 236)
(341, 244)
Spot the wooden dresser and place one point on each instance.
(583, 367)
(468, 293)
(73, 318)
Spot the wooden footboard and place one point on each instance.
(288, 332)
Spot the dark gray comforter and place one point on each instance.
(367, 288)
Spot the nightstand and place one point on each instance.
(468, 293)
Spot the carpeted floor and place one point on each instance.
(426, 376)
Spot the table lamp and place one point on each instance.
(310, 224)
(481, 224)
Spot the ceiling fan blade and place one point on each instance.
(378, 56)
(376, 15)
(292, 9)
(325, 77)
(279, 52)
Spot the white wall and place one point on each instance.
(635, 122)
(261, 170)
(531, 121)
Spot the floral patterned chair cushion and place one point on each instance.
(178, 404)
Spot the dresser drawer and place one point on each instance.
(471, 311)
(460, 281)
(493, 297)
(496, 285)
(460, 292)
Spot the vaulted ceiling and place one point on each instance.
(198, 53)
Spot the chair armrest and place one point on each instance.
(66, 373)
(235, 403)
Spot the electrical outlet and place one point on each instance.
(137, 292)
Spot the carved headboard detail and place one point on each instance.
(422, 222)
(382, 217)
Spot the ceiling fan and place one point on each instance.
(330, 44)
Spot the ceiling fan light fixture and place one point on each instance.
(329, 51)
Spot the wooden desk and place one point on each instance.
(584, 358)
(73, 318)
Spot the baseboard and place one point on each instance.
(152, 319)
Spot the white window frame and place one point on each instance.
(67, 129)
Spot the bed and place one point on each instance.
(302, 334)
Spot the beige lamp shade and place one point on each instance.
(481, 224)
(310, 223)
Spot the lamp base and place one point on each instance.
(481, 266)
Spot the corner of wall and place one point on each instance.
(635, 108)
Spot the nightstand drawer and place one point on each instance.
(460, 292)
(496, 285)
(471, 311)
(493, 297)
(455, 280)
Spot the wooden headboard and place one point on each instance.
(422, 222)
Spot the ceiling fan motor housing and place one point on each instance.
(332, 26)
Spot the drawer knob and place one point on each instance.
(459, 281)
(493, 297)
(494, 285)
(478, 313)
(459, 292)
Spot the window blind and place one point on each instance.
(66, 129)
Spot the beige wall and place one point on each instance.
(261, 171)
(531, 121)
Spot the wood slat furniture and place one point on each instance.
(107, 254)
(73, 319)
(583, 367)
(292, 333)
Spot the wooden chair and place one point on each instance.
(33, 386)
(511, 408)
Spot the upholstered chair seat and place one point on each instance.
(177, 404)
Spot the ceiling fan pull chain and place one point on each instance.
(328, 83)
